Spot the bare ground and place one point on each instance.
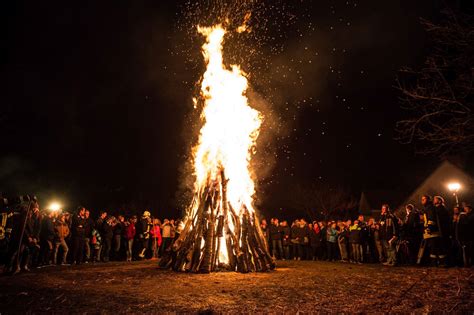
(305, 286)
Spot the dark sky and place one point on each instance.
(96, 97)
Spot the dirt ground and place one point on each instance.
(304, 286)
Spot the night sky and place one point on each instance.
(96, 101)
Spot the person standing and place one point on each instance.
(432, 234)
(355, 240)
(143, 232)
(343, 240)
(276, 238)
(130, 232)
(61, 230)
(88, 226)
(412, 232)
(445, 225)
(464, 234)
(314, 240)
(285, 230)
(295, 240)
(156, 238)
(78, 235)
(167, 236)
(331, 241)
(107, 235)
(388, 234)
(118, 232)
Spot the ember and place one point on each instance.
(222, 231)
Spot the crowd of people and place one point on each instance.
(30, 238)
(432, 235)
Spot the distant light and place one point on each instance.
(54, 207)
(454, 187)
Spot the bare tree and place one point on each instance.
(321, 201)
(439, 96)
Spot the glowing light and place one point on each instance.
(454, 187)
(54, 206)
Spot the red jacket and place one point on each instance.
(130, 231)
(156, 233)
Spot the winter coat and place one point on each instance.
(388, 227)
(285, 230)
(275, 232)
(314, 238)
(47, 229)
(118, 228)
(355, 232)
(156, 233)
(107, 231)
(331, 235)
(78, 226)
(88, 226)
(465, 227)
(130, 231)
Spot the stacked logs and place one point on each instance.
(211, 218)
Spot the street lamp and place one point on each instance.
(454, 188)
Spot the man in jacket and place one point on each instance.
(432, 232)
(412, 232)
(61, 230)
(275, 236)
(388, 234)
(285, 230)
(464, 234)
(78, 235)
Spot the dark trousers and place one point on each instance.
(78, 248)
(331, 250)
(314, 251)
(106, 247)
(286, 251)
(46, 251)
(277, 247)
(117, 246)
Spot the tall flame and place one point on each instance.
(231, 127)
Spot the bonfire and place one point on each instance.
(221, 229)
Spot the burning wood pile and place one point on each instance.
(222, 231)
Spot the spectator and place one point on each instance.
(167, 236)
(285, 230)
(88, 226)
(118, 232)
(78, 235)
(107, 235)
(314, 241)
(355, 241)
(343, 240)
(276, 238)
(130, 233)
(96, 243)
(61, 230)
(464, 234)
(143, 231)
(412, 232)
(331, 237)
(388, 234)
(156, 239)
(295, 240)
